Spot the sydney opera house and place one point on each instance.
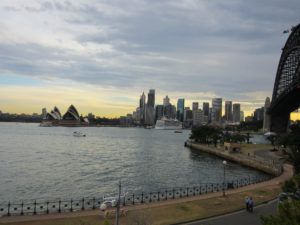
(70, 118)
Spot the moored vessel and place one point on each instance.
(168, 124)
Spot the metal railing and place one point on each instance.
(57, 206)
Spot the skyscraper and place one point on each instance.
(142, 109)
(166, 101)
(180, 109)
(195, 106)
(228, 110)
(206, 109)
(150, 112)
(216, 115)
(159, 112)
(236, 113)
(44, 113)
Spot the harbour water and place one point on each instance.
(50, 163)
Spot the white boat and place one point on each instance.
(78, 134)
(168, 124)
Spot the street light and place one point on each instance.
(224, 163)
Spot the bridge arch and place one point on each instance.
(286, 91)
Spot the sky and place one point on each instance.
(101, 55)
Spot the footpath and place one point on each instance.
(180, 202)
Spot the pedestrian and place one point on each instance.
(251, 204)
(247, 203)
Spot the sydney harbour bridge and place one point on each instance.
(286, 91)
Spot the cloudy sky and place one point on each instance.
(101, 55)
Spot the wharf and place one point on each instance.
(272, 167)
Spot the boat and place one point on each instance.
(177, 131)
(78, 134)
(46, 124)
(168, 124)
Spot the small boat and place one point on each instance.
(177, 131)
(78, 134)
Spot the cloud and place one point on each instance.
(226, 48)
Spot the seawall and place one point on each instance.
(267, 166)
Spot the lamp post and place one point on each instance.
(118, 205)
(224, 164)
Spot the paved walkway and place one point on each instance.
(241, 217)
(288, 173)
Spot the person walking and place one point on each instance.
(247, 203)
(251, 204)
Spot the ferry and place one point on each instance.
(168, 124)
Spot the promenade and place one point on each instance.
(273, 184)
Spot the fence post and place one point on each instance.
(47, 211)
(8, 209)
(166, 195)
(142, 201)
(94, 203)
(158, 198)
(22, 205)
(82, 208)
(150, 197)
(173, 193)
(133, 199)
(71, 209)
(34, 209)
(59, 202)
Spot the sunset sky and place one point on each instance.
(101, 55)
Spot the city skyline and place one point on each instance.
(99, 55)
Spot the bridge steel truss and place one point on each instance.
(286, 92)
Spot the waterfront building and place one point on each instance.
(150, 111)
(216, 114)
(236, 113)
(166, 101)
(228, 111)
(142, 109)
(198, 117)
(180, 109)
(267, 117)
(44, 113)
(159, 112)
(195, 106)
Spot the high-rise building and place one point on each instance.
(259, 114)
(195, 106)
(150, 112)
(241, 116)
(216, 115)
(205, 108)
(188, 114)
(142, 109)
(236, 113)
(166, 101)
(180, 109)
(267, 117)
(44, 113)
(198, 117)
(159, 112)
(228, 110)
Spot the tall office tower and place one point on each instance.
(44, 113)
(180, 109)
(138, 116)
(159, 112)
(241, 116)
(206, 109)
(188, 114)
(150, 112)
(195, 106)
(166, 101)
(259, 114)
(199, 118)
(236, 113)
(267, 117)
(216, 114)
(142, 109)
(228, 110)
(174, 112)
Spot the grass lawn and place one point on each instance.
(173, 213)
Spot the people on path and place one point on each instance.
(247, 203)
(251, 204)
